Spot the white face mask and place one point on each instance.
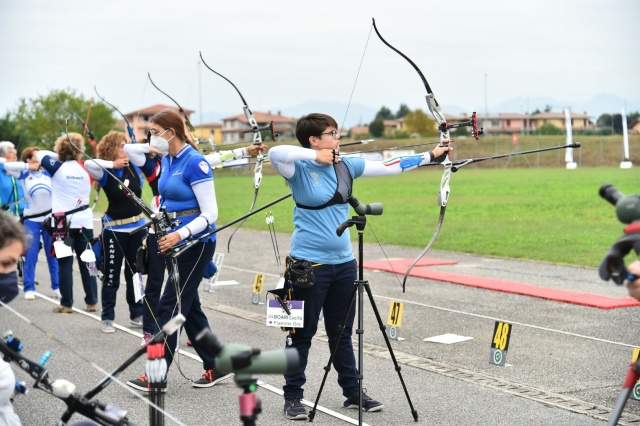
(88, 255)
(160, 143)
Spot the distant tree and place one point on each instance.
(617, 124)
(547, 108)
(45, 117)
(402, 111)
(401, 134)
(359, 136)
(419, 122)
(611, 121)
(632, 117)
(604, 120)
(385, 114)
(13, 130)
(599, 131)
(537, 111)
(549, 129)
(376, 127)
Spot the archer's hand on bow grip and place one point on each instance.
(327, 156)
(440, 153)
(252, 150)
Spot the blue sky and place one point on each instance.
(475, 54)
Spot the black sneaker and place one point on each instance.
(210, 378)
(294, 410)
(142, 384)
(368, 404)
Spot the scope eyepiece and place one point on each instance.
(610, 193)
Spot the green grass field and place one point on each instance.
(552, 215)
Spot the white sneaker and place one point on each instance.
(29, 295)
(107, 326)
(57, 294)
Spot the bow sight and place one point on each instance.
(270, 127)
(472, 122)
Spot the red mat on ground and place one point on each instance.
(399, 266)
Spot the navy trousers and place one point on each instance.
(330, 293)
(191, 265)
(79, 239)
(116, 247)
(153, 286)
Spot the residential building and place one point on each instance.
(357, 132)
(139, 120)
(236, 129)
(391, 126)
(509, 123)
(209, 132)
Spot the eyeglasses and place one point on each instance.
(334, 134)
(155, 133)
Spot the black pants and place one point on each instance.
(79, 239)
(153, 287)
(116, 247)
(191, 265)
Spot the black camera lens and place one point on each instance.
(610, 193)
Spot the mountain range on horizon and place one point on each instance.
(362, 115)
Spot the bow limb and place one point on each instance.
(443, 197)
(257, 140)
(445, 140)
(426, 249)
(85, 127)
(192, 131)
(132, 135)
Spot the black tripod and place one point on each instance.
(360, 285)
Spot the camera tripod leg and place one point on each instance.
(393, 357)
(334, 349)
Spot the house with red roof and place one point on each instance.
(237, 129)
(139, 120)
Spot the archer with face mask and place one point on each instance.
(148, 157)
(185, 186)
(12, 242)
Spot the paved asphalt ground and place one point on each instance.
(565, 366)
